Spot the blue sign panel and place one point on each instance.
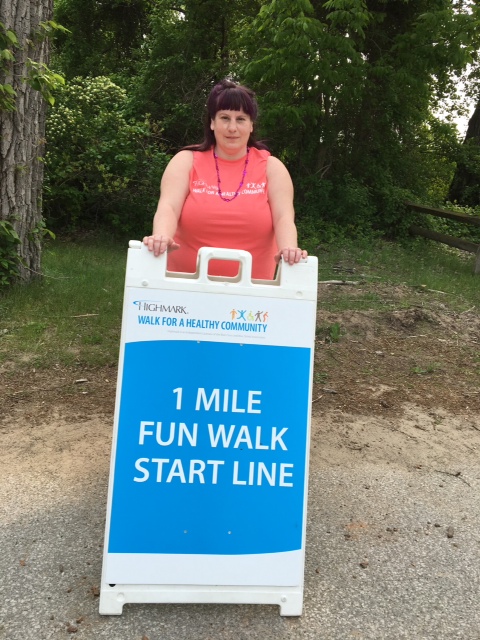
(211, 449)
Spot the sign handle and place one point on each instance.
(205, 254)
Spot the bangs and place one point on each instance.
(236, 99)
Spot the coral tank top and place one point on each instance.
(244, 223)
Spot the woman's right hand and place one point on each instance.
(159, 244)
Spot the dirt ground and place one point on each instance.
(398, 387)
(396, 399)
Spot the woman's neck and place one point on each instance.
(224, 155)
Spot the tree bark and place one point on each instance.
(22, 132)
(464, 188)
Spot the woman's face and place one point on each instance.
(232, 130)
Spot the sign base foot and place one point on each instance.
(113, 597)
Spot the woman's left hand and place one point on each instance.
(292, 256)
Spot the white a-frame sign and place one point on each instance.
(208, 481)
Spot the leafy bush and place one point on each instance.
(329, 210)
(458, 229)
(102, 169)
(392, 217)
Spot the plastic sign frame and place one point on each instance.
(209, 467)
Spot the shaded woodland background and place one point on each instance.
(350, 93)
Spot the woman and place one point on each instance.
(226, 192)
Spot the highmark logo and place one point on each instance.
(152, 306)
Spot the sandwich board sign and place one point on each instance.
(209, 467)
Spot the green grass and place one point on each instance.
(423, 266)
(426, 369)
(329, 333)
(72, 317)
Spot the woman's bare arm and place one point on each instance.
(173, 193)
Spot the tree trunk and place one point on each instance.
(22, 133)
(464, 188)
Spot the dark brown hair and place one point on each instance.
(228, 96)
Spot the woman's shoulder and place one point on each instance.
(276, 168)
(260, 153)
(179, 167)
(275, 163)
(185, 155)
(182, 160)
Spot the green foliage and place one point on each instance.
(102, 169)
(457, 229)
(40, 231)
(348, 87)
(8, 43)
(187, 48)
(103, 38)
(38, 75)
(334, 210)
(391, 218)
(331, 210)
(49, 28)
(437, 149)
(9, 242)
(334, 332)
(423, 370)
(44, 80)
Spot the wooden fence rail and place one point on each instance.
(451, 241)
